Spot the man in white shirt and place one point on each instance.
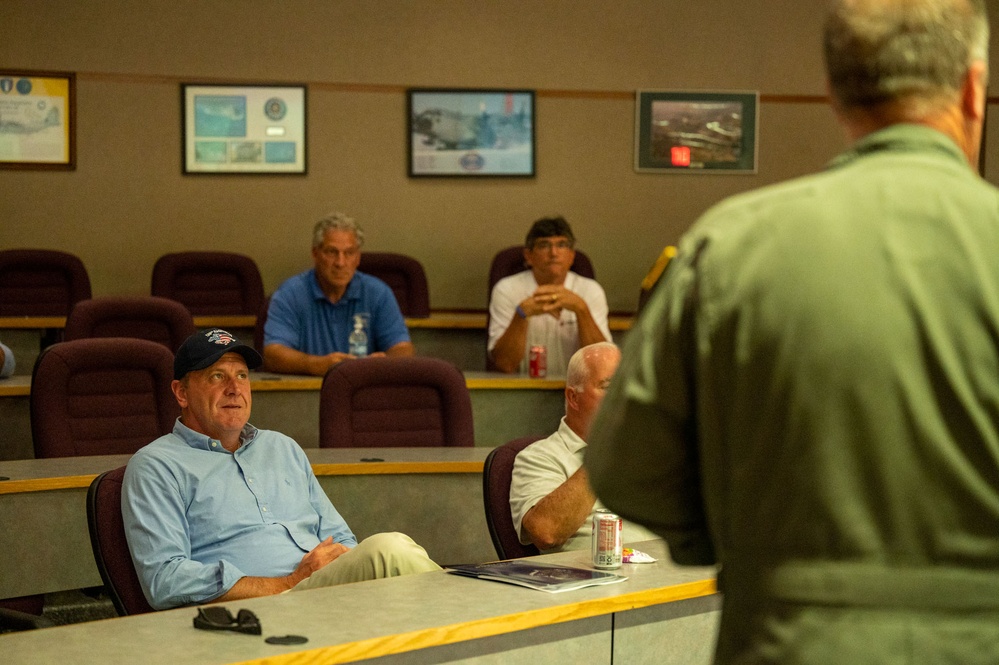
(550, 497)
(546, 305)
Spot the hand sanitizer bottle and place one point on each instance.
(358, 339)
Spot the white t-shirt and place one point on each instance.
(560, 336)
(540, 469)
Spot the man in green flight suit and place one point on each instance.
(811, 397)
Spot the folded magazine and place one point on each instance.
(533, 575)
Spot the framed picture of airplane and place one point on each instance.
(37, 120)
(243, 129)
(471, 133)
(696, 132)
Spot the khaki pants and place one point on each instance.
(381, 555)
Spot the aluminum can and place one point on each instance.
(538, 362)
(606, 546)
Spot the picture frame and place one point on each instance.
(696, 132)
(244, 129)
(467, 132)
(37, 120)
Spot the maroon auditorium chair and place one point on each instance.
(405, 276)
(101, 396)
(107, 539)
(496, 476)
(143, 317)
(209, 283)
(394, 402)
(41, 282)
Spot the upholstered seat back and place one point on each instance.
(405, 276)
(160, 320)
(101, 396)
(41, 282)
(209, 283)
(395, 402)
(496, 476)
(107, 539)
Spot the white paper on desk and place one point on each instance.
(534, 575)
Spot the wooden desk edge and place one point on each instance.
(32, 322)
(313, 384)
(437, 320)
(513, 382)
(389, 468)
(225, 321)
(320, 469)
(492, 626)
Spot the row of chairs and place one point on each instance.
(105, 396)
(35, 282)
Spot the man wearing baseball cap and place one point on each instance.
(218, 510)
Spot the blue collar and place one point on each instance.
(204, 442)
(353, 291)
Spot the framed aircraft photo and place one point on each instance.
(696, 132)
(243, 128)
(473, 133)
(37, 120)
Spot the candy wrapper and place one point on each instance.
(629, 555)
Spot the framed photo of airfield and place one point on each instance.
(244, 128)
(472, 133)
(37, 120)
(696, 132)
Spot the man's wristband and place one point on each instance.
(521, 313)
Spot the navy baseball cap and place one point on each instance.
(202, 349)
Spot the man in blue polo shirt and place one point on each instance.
(312, 315)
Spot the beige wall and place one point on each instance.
(127, 201)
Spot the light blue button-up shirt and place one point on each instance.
(198, 518)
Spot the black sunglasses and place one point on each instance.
(216, 617)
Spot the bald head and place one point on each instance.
(587, 378)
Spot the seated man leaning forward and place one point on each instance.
(547, 305)
(550, 497)
(219, 510)
(311, 315)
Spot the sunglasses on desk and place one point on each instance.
(215, 617)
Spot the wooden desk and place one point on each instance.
(431, 494)
(662, 613)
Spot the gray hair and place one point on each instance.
(578, 371)
(880, 51)
(336, 221)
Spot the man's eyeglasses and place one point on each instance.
(547, 245)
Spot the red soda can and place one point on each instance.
(538, 362)
(605, 542)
